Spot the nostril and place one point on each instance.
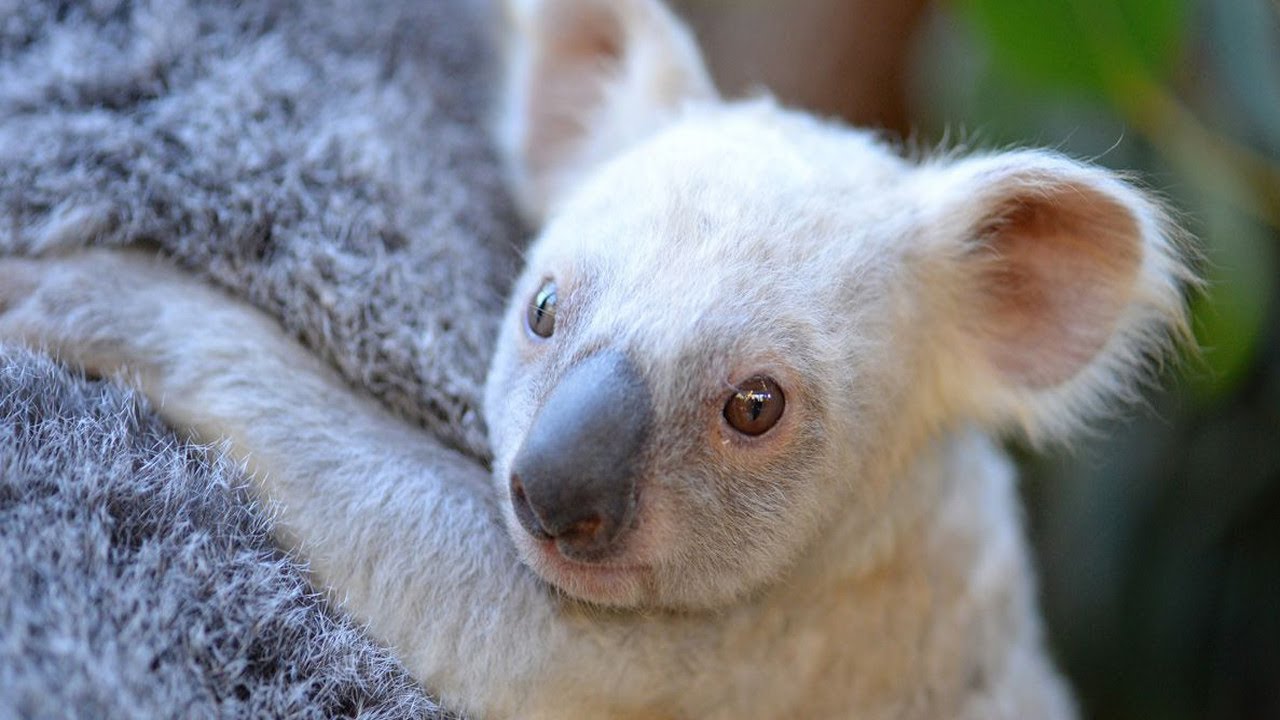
(591, 539)
(524, 511)
(585, 533)
(587, 528)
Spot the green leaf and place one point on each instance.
(1081, 44)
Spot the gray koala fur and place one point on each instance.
(326, 160)
(138, 581)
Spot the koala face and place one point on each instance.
(740, 325)
(685, 369)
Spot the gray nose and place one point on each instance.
(574, 479)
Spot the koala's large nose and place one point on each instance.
(574, 479)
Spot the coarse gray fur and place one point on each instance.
(325, 159)
(137, 581)
(328, 161)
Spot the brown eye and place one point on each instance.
(756, 406)
(541, 316)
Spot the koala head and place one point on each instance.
(739, 323)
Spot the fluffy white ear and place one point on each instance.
(586, 79)
(1057, 284)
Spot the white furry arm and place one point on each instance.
(404, 532)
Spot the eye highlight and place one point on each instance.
(756, 406)
(541, 315)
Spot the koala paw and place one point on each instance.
(17, 281)
(81, 308)
(25, 315)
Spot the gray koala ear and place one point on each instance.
(1062, 281)
(586, 79)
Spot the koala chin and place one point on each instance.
(744, 403)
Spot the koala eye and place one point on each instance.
(756, 406)
(541, 315)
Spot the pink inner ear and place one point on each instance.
(585, 45)
(1064, 269)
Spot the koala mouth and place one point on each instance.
(602, 583)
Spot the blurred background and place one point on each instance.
(1158, 542)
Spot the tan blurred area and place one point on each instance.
(846, 58)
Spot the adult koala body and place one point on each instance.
(739, 407)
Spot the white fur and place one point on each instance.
(864, 558)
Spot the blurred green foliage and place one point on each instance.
(1081, 44)
(1160, 545)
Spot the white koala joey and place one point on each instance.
(743, 406)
